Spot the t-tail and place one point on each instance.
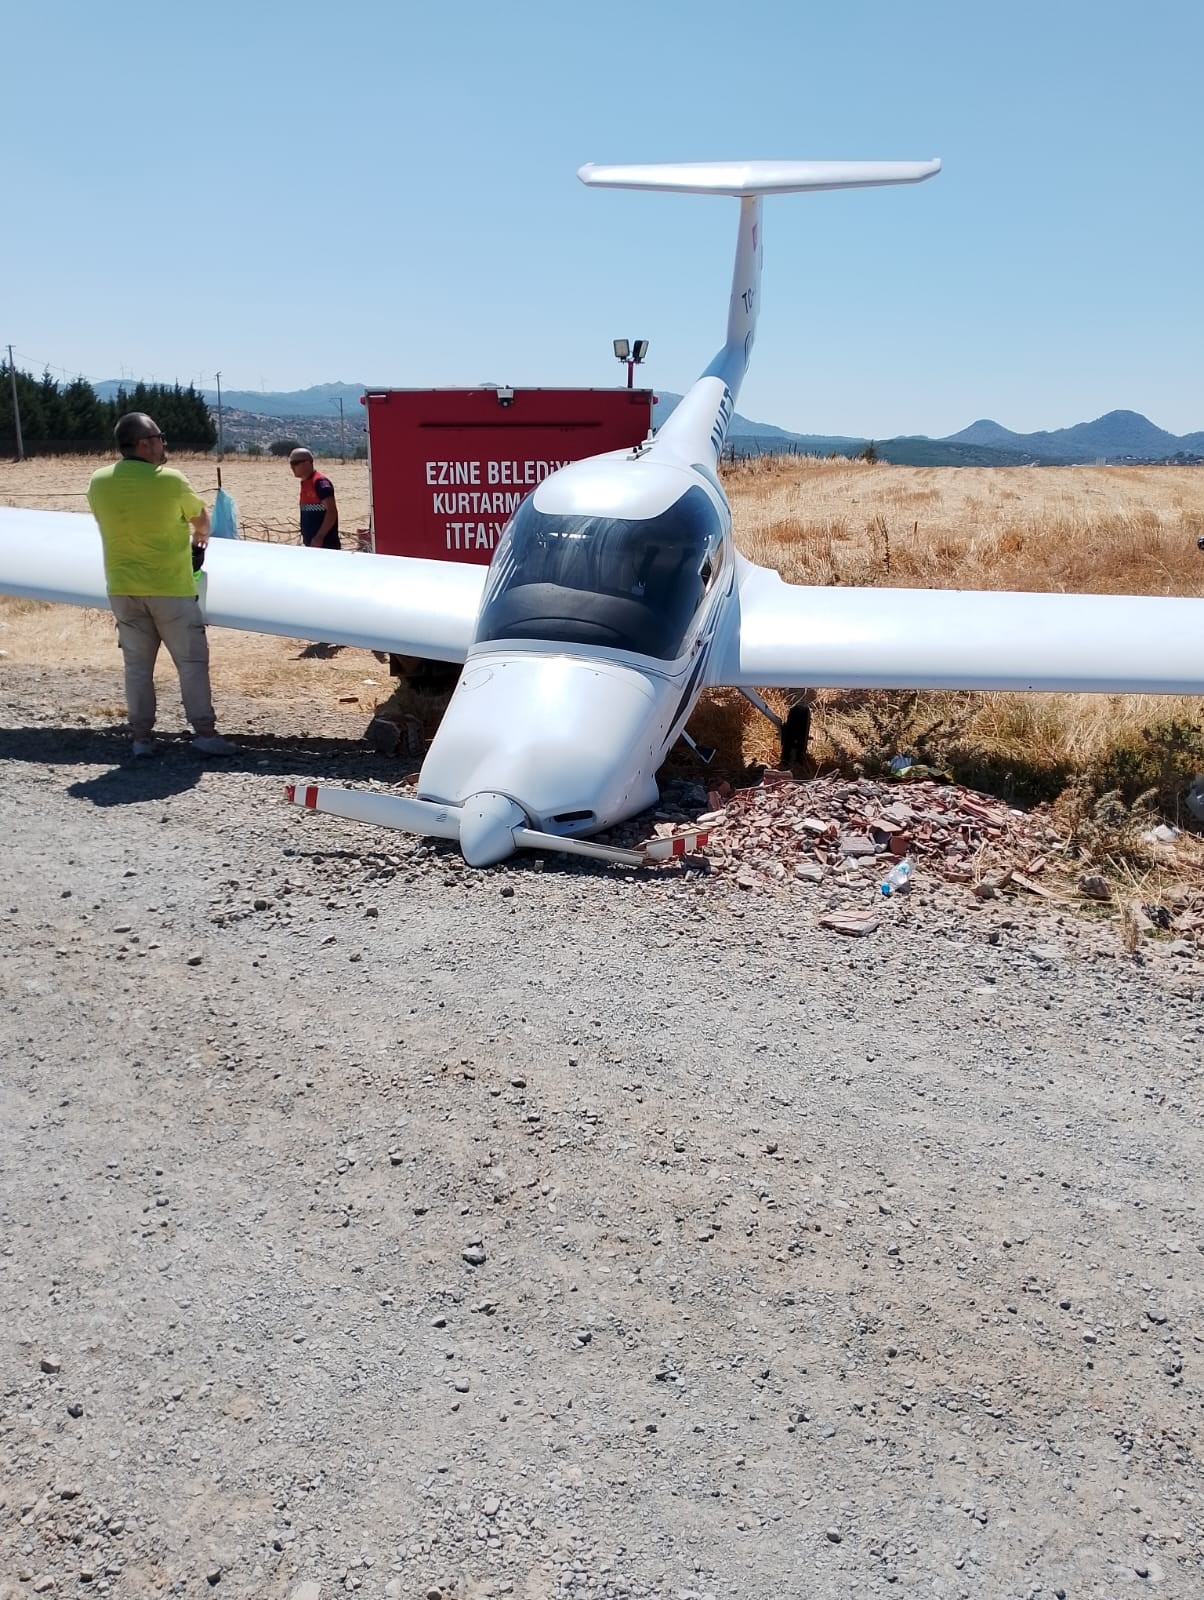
(698, 427)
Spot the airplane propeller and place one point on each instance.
(488, 826)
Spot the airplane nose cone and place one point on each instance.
(487, 824)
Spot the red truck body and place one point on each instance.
(449, 466)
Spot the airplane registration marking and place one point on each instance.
(723, 417)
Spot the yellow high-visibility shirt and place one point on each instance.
(143, 513)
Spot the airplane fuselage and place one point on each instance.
(600, 609)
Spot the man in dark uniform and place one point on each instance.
(319, 512)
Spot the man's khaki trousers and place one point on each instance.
(143, 623)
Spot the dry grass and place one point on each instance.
(1102, 529)
(264, 489)
(259, 666)
(1097, 530)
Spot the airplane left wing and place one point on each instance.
(396, 603)
(781, 635)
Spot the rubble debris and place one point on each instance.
(1022, 882)
(848, 833)
(855, 923)
(1095, 886)
(783, 831)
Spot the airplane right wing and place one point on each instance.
(782, 635)
(396, 603)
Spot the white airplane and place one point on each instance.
(616, 596)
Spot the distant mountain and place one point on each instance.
(747, 438)
(988, 433)
(1116, 436)
(255, 416)
(763, 438)
(322, 400)
(918, 451)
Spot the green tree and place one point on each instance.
(204, 428)
(43, 406)
(81, 413)
(74, 416)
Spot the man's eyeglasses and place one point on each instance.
(162, 436)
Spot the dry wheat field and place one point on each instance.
(263, 487)
(1102, 529)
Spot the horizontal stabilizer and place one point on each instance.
(755, 177)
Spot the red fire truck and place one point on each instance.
(449, 466)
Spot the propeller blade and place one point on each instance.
(531, 839)
(385, 810)
(677, 844)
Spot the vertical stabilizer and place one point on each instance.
(732, 361)
(698, 427)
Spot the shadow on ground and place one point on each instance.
(176, 766)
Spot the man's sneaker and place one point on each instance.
(144, 747)
(212, 744)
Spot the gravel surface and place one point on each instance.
(369, 1224)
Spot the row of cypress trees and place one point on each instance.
(71, 416)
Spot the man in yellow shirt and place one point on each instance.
(149, 520)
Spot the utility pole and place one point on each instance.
(12, 373)
(342, 431)
(220, 441)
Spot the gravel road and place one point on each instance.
(369, 1224)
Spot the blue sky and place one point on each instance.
(297, 193)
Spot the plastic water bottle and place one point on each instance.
(899, 877)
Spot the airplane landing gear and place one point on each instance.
(705, 752)
(795, 728)
(796, 731)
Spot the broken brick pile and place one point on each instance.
(850, 831)
(834, 827)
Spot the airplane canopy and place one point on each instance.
(620, 583)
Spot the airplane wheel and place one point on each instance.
(796, 731)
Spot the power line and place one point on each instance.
(70, 373)
(49, 366)
(12, 376)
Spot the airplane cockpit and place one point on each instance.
(621, 583)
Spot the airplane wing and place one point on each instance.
(781, 635)
(397, 603)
